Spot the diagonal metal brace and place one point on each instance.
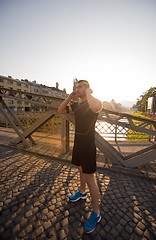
(36, 125)
(142, 158)
(21, 137)
(15, 118)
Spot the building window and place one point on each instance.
(1, 80)
(45, 92)
(10, 82)
(35, 90)
(19, 102)
(10, 101)
(12, 107)
(26, 85)
(19, 108)
(18, 84)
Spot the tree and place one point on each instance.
(142, 100)
(57, 85)
(75, 81)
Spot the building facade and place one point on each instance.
(27, 86)
(15, 84)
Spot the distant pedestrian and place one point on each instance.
(84, 150)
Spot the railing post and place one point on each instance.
(116, 132)
(51, 126)
(64, 136)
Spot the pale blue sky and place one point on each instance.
(112, 44)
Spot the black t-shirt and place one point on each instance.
(84, 149)
(85, 120)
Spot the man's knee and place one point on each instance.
(89, 178)
(80, 168)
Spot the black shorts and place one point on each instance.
(84, 155)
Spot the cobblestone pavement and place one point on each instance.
(34, 201)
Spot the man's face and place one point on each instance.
(81, 89)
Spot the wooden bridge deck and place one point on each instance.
(50, 145)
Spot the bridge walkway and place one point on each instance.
(34, 201)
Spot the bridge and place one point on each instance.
(35, 188)
(128, 153)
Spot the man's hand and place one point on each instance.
(63, 105)
(73, 95)
(89, 90)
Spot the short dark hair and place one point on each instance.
(84, 81)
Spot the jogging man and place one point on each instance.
(84, 150)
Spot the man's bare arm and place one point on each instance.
(64, 104)
(94, 104)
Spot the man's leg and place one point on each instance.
(95, 215)
(94, 190)
(80, 194)
(82, 181)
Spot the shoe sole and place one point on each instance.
(78, 199)
(93, 228)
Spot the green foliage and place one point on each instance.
(75, 81)
(142, 100)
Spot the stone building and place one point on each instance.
(31, 87)
(15, 84)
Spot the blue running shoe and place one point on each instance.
(78, 195)
(91, 222)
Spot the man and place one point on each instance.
(84, 150)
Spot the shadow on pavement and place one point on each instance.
(34, 201)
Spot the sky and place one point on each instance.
(110, 43)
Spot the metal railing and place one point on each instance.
(111, 132)
(110, 126)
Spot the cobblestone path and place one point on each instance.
(34, 201)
